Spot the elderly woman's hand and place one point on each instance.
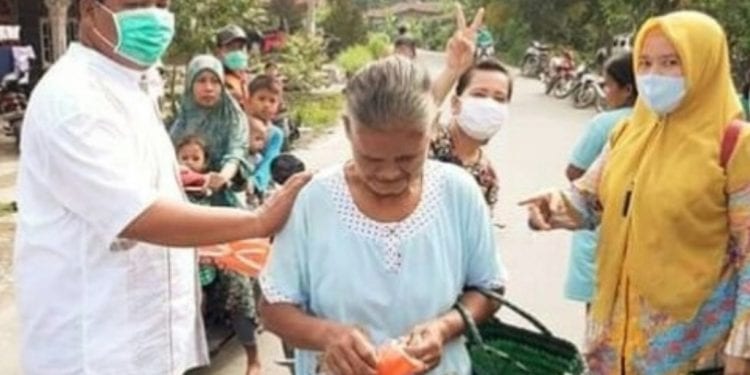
(350, 353)
(275, 211)
(425, 343)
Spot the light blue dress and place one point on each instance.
(340, 265)
(579, 285)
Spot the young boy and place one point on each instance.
(263, 105)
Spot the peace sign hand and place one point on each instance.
(459, 52)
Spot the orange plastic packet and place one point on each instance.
(246, 257)
(393, 360)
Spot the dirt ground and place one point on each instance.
(8, 160)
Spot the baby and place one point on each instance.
(258, 135)
(192, 155)
(257, 143)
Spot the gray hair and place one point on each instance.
(391, 92)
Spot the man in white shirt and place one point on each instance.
(105, 281)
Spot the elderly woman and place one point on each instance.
(382, 247)
(209, 113)
(672, 192)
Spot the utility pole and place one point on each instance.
(311, 4)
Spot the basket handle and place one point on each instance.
(471, 325)
(522, 313)
(476, 338)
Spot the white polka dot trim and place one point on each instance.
(273, 294)
(391, 236)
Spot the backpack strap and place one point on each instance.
(729, 141)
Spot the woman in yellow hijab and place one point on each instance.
(673, 272)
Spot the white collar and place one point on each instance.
(109, 66)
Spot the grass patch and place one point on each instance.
(317, 112)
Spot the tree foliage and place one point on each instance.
(302, 59)
(345, 22)
(590, 24)
(291, 10)
(197, 21)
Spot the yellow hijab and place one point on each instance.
(672, 243)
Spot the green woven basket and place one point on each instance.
(498, 348)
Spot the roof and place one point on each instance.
(406, 7)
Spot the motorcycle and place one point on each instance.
(535, 59)
(484, 52)
(591, 93)
(568, 87)
(561, 70)
(485, 46)
(13, 104)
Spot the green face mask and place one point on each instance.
(236, 60)
(143, 35)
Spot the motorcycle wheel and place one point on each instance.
(529, 66)
(564, 88)
(585, 97)
(551, 84)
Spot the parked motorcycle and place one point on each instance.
(484, 52)
(13, 104)
(535, 59)
(591, 93)
(485, 45)
(570, 87)
(561, 70)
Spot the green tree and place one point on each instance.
(345, 21)
(291, 10)
(586, 25)
(198, 20)
(302, 59)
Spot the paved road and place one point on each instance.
(530, 154)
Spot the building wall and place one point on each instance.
(7, 12)
(31, 16)
(29, 13)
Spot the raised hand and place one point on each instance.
(459, 52)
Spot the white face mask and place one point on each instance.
(481, 118)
